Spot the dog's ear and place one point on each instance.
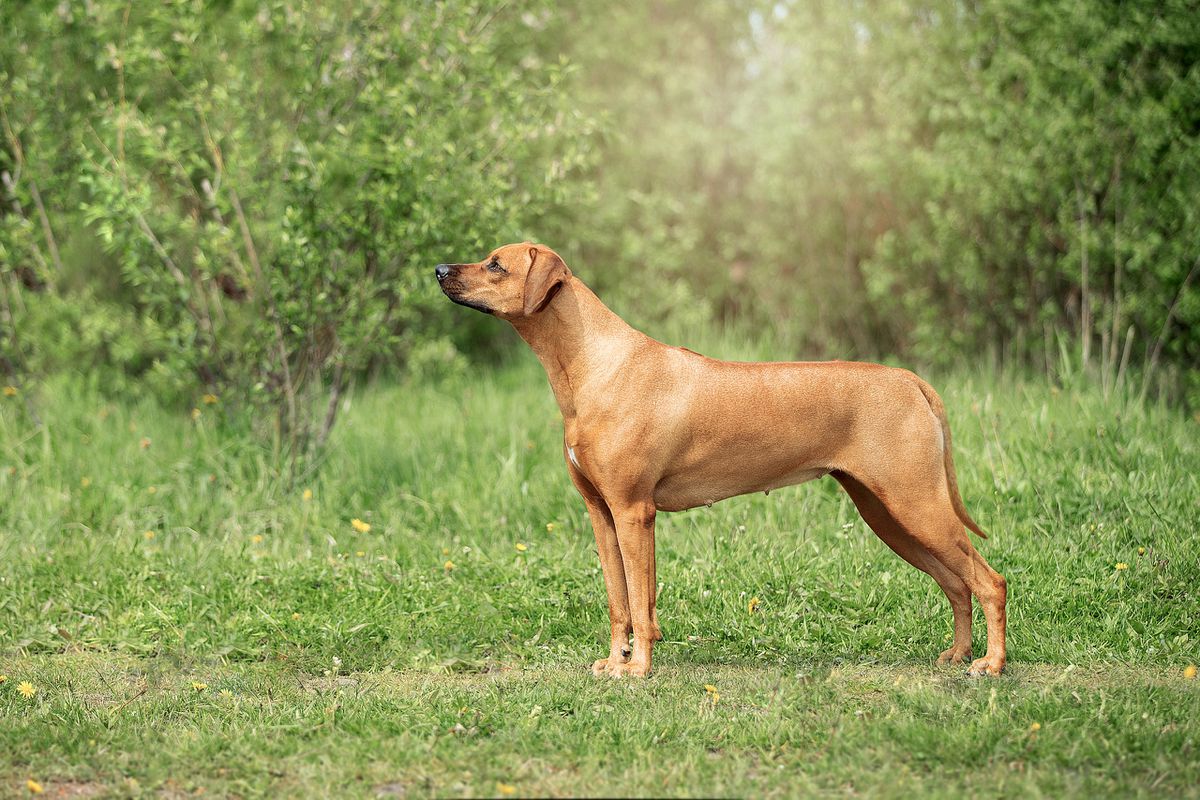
(546, 273)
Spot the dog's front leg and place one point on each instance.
(635, 535)
(614, 573)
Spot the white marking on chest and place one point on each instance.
(571, 455)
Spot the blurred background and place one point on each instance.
(246, 199)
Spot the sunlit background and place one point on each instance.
(247, 198)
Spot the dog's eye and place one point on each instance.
(494, 266)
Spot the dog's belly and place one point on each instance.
(682, 491)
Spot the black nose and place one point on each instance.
(442, 271)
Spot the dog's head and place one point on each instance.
(516, 280)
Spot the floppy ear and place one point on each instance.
(546, 272)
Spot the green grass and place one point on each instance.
(356, 664)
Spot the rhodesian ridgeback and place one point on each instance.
(649, 427)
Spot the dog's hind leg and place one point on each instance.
(907, 547)
(929, 518)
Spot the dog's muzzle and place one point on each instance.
(452, 287)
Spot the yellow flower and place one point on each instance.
(1189, 672)
(360, 553)
(209, 399)
(360, 526)
(1141, 551)
(85, 482)
(195, 413)
(506, 788)
(257, 538)
(26, 689)
(713, 695)
(198, 686)
(708, 687)
(3, 679)
(225, 694)
(10, 391)
(1035, 727)
(307, 496)
(1121, 565)
(753, 605)
(521, 548)
(152, 489)
(33, 786)
(148, 535)
(449, 565)
(295, 615)
(549, 527)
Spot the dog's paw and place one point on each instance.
(632, 668)
(988, 665)
(955, 655)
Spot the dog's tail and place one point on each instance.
(939, 411)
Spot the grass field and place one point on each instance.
(189, 625)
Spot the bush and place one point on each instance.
(271, 186)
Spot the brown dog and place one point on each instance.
(652, 428)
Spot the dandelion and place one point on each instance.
(1035, 727)
(152, 489)
(257, 538)
(360, 526)
(549, 527)
(3, 679)
(360, 553)
(1121, 565)
(1141, 551)
(1189, 672)
(144, 443)
(26, 689)
(225, 694)
(195, 413)
(307, 496)
(713, 695)
(10, 391)
(449, 565)
(753, 605)
(295, 615)
(209, 399)
(521, 547)
(199, 686)
(506, 788)
(148, 535)
(33, 786)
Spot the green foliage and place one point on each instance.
(246, 198)
(933, 179)
(271, 186)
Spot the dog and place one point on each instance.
(649, 427)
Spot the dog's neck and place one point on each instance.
(571, 335)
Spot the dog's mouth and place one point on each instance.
(450, 289)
